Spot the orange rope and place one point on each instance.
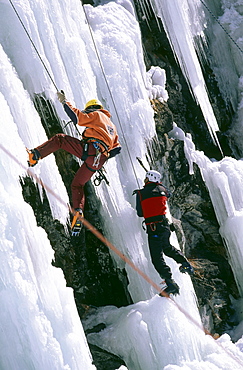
(104, 240)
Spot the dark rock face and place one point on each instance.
(86, 262)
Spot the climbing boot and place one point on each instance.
(186, 268)
(77, 224)
(172, 287)
(34, 157)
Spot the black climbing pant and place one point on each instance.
(159, 244)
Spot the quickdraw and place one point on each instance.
(152, 226)
(99, 176)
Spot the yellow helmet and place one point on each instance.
(93, 102)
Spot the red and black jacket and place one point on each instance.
(151, 202)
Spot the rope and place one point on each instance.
(104, 240)
(33, 44)
(223, 28)
(82, 219)
(111, 95)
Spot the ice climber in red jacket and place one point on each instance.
(151, 204)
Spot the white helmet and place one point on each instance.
(153, 176)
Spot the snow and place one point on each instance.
(156, 80)
(40, 327)
(127, 325)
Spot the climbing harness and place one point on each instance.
(96, 143)
(153, 225)
(98, 150)
(99, 173)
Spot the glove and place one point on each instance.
(114, 152)
(61, 97)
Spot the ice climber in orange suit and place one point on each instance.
(99, 142)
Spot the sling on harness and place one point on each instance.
(98, 154)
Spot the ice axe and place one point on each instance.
(141, 163)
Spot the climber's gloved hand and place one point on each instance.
(61, 97)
